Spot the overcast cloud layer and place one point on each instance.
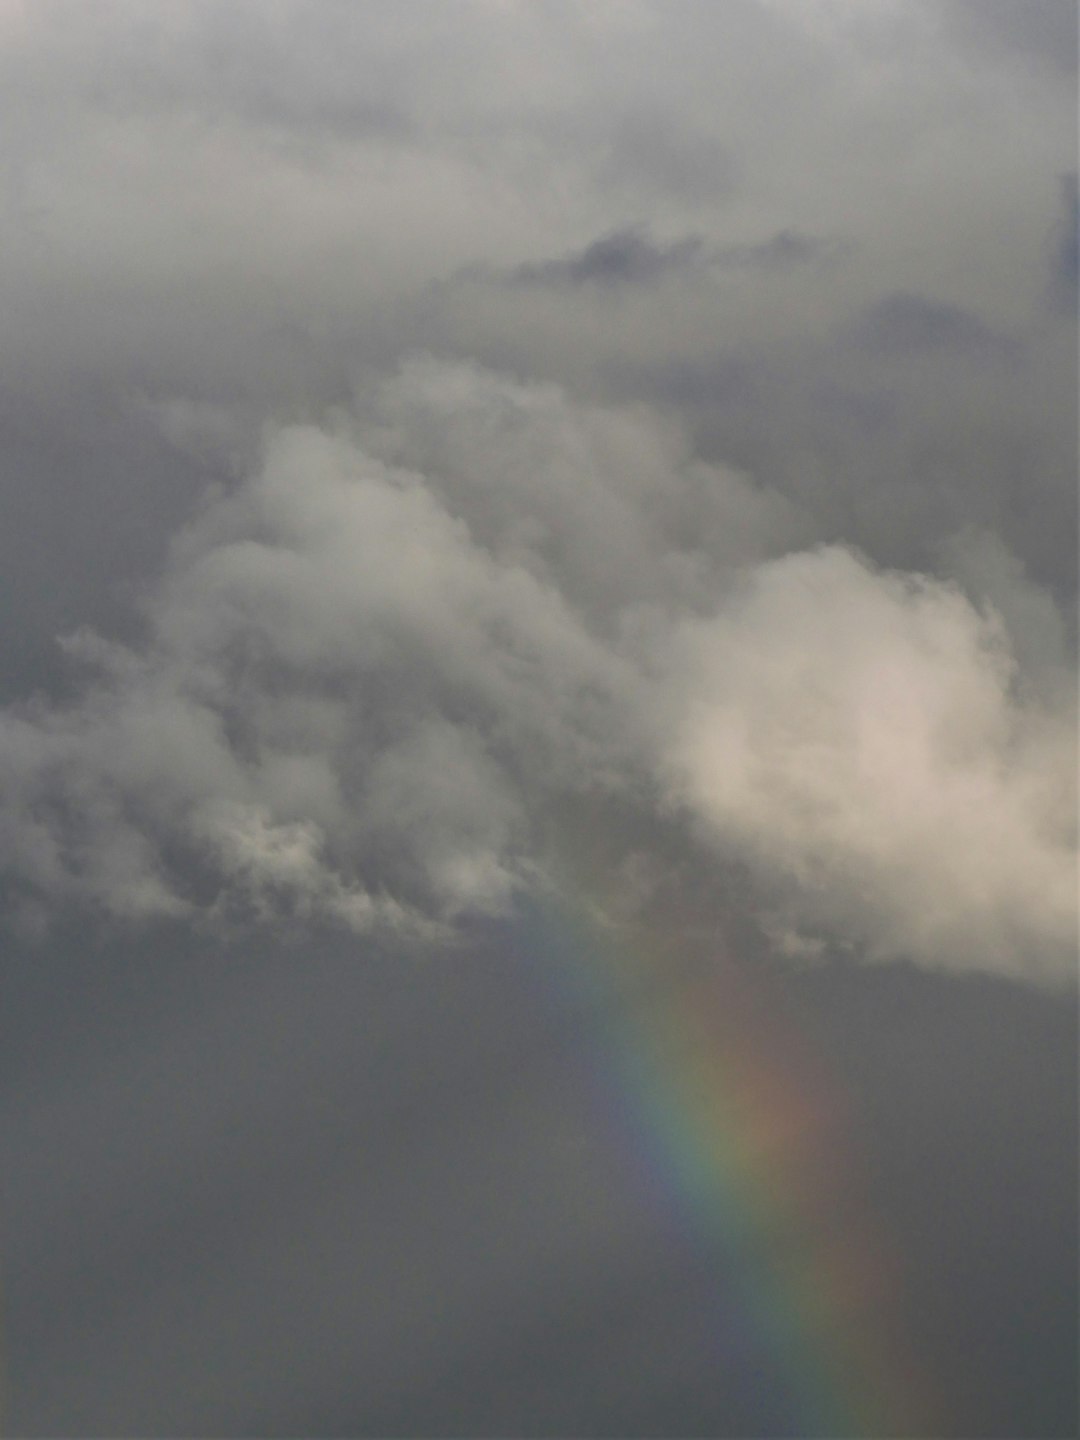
(686, 411)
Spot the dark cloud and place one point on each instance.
(621, 258)
(785, 248)
(905, 323)
(631, 257)
(814, 420)
(92, 493)
(1039, 33)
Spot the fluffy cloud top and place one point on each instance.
(861, 734)
(373, 671)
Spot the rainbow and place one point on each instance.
(738, 1131)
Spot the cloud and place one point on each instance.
(474, 450)
(1065, 257)
(912, 323)
(659, 154)
(860, 735)
(780, 251)
(1041, 34)
(277, 866)
(338, 680)
(625, 257)
(376, 671)
(243, 229)
(632, 257)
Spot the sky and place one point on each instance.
(538, 793)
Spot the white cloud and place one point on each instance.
(860, 736)
(342, 690)
(275, 863)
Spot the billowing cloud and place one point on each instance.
(331, 657)
(861, 736)
(371, 671)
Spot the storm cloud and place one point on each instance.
(463, 458)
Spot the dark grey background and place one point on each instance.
(327, 1190)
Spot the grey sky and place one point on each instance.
(441, 440)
